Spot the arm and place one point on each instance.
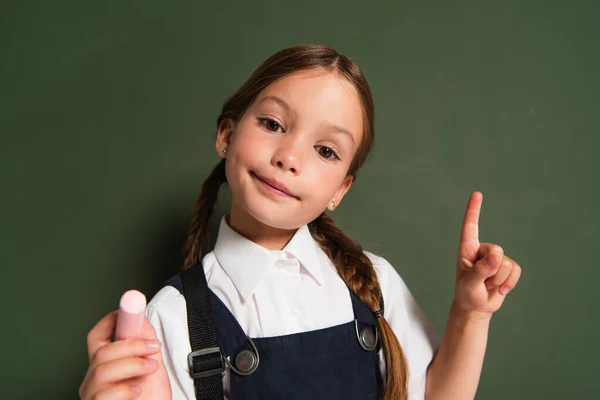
(483, 278)
(455, 370)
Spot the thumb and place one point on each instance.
(488, 264)
(101, 333)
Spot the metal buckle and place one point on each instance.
(254, 366)
(203, 352)
(361, 341)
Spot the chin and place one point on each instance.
(274, 215)
(277, 220)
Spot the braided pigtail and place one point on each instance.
(357, 271)
(197, 238)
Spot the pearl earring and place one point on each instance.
(333, 204)
(223, 151)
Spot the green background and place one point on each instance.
(107, 121)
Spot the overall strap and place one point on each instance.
(205, 362)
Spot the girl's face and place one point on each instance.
(289, 154)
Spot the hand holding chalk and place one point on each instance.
(131, 315)
(131, 366)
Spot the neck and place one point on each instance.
(266, 236)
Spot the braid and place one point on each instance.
(197, 238)
(357, 271)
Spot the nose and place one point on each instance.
(288, 154)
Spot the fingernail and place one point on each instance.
(150, 363)
(136, 390)
(491, 260)
(153, 343)
(504, 290)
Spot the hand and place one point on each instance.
(125, 369)
(484, 274)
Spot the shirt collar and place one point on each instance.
(306, 250)
(246, 262)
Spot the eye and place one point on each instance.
(327, 153)
(270, 124)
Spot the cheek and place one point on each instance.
(327, 182)
(248, 146)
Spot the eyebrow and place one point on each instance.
(277, 100)
(283, 104)
(339, 129)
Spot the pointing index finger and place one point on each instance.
(470, 228)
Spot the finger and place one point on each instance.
(148, 332)
(488, 265)
(123, 391)
(121, 369)
(469, 238)
(512, 280)
(129, 349)
(101, 333)
(125, 349)
(500, 276)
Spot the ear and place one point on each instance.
(339, 195)
(224, 133)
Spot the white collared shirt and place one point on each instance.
(274, 293)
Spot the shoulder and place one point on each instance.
(168, 306)
(389, 279)
(167, 312)
(397, 298)
(381, 264)
(401, 309)
(164, 299)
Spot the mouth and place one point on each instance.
(273, 186)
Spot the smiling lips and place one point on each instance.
(275, 186)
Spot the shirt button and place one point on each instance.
(295, 311)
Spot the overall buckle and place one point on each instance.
(209, 357)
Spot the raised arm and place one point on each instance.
(483, 278)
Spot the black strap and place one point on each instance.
(205, 361)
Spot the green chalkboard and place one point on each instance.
(107, 124)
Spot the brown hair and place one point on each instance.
(353, 266)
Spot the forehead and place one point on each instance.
(318, 97)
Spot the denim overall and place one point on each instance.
(330, 363)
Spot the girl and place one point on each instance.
(286, 305)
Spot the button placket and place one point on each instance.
(288, 265)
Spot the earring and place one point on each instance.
(333, 204)
(223, 151)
